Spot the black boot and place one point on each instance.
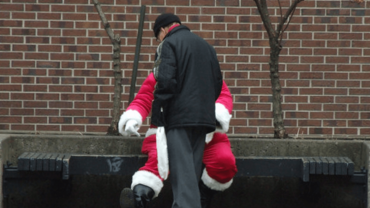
(206, 194)
(139, 197)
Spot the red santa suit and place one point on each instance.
(218, 158)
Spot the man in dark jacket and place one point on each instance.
(189, 81)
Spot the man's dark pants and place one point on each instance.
(185, 153)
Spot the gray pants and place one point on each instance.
(185, 153)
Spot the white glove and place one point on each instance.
(132, 127)
(127, 116)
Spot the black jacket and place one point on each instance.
(189, 81)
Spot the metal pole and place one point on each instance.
(137, 53)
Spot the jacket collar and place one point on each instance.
(176, 29)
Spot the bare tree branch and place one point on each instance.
(286, 26)
(116, 41)
(281, 11)
(104, 20)
(288, 14)
(263, 10)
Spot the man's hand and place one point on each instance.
(132, 127)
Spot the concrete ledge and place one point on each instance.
(13, 145)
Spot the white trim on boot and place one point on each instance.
(148, 179)
(213, 184)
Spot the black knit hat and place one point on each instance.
(163, 20)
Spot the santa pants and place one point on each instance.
(218, 159)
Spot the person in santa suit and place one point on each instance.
(218, 159)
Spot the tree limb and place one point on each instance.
(288, 14)
(106, 24)
(263, 10)
(116, 41)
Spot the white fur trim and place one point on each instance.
(223, 116)
(151, 131)
(147, 178)
(129, 115)
(209, 137)
(213, 184)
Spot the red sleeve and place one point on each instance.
(225, 98)
(143, 100)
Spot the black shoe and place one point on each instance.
(142, 196)
(206, 194)
(126, 200)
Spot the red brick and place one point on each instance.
(313, 28)
(12, 119)
(62, 56)
(71, 128)
(260, 122)
(23, 15)
(22, 96)
(35, 40)
(38, 56)
(62, 40)
(39, 72)
(4, 31)
(61, 120)
(85, 120)
(22, 112)
(321, 131)
(347, 100)
(346, 131)
(47, 128)
(346, 115)
(49, 32)
(24, 47)
(16, 127)
(35, 119)
(263, 130)
(211, 10)
(11, 88)
(352, 67)
(348, 83)
(310, 107)
(46, 112)
(97, 113)
(50, 48)
(245, 130)
(36, 24)
(10, 55)
(86, 89)
(262, 107)
(227, 3)
(319, 83)
(296, 114)
(56, 88)
(309, 122)
(23, 64)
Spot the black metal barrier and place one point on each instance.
(62, 166)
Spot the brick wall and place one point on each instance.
(56, 63)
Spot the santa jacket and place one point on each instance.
(140, 107)
(189, 81)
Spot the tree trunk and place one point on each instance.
(279, 130)
(113, 128)
(116, 42)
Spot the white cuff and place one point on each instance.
(223, 116)
(147, 178)
(213, 184)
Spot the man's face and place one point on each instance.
(162, 33)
